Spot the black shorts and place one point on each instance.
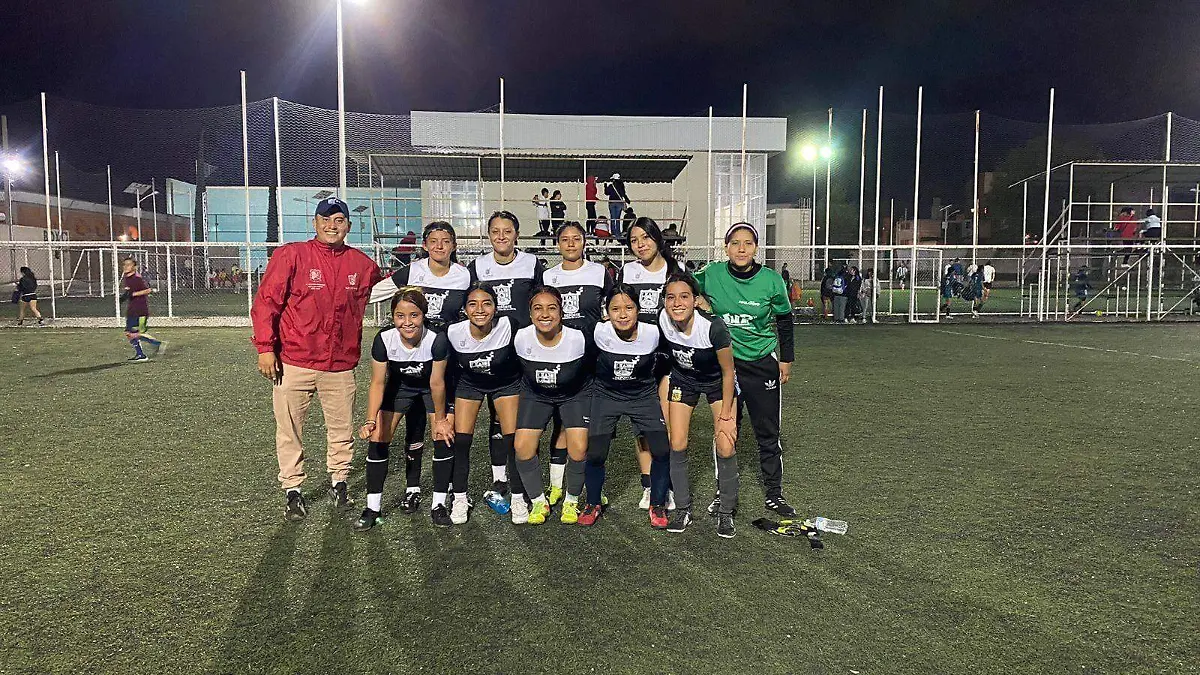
(29, 297)
(645, 415)
(689, 394)
(987, 285)
(400, 402)
(534, 412)
(471, 393)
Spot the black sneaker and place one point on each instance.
(440, 516)
(778, 505)
(140, 358)
(340, 495)
(725, 525)
(296, 509)
(715, 507)
(411, 502)
(367, 520)
(680, 521)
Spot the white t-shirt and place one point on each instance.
(989, 274)
(543, 208)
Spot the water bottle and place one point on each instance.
(830, 525)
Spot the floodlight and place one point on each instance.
(360, 208)
(136, 189)
(826, 152)
(808, 152)
(13, 165)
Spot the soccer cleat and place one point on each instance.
(645, 503)
(140, 358)
(539, 512)
(411, 502)
(497, 497)
(440, 516)
(658, 517)
(679, 523)
(340, 495)
(556, 495)
(589, 516)
(570, 513)
(725, 525)
(519, 511)
(715, 506)
(367, 520)
(162, 349)
(670, 500)
(296, 509)
(778, 505)
(460, 512)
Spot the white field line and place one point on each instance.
(1070, 346)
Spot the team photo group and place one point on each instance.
(560, 353)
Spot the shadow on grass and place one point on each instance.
(82, 370)
(256, 636)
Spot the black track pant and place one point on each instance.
(758, 394)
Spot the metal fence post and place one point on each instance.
(116, 280)
(170, 285)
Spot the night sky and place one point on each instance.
(1111, 60)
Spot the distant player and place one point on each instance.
(137, 292)
(949, 288)
(1082, 288)
(989, 278)
(27, 296)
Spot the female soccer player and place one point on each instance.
(444, 283)
(626, 385)
(486, 367)
(27, 296)
(754, 305)
(701, 356)
(555, 379)
(513, 275)
(407, 361)
(583, 285)
(646, 274)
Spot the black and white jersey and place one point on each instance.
(408, 369)
(513, 282)
(486, 364)
(625, 370)
(693, 357)
(649, 287)
(583, 292)
(446, 294)
(555, 373)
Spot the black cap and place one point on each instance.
(739, 226)
(332, 205)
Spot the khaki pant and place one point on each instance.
(290, 400)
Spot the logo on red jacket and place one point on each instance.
(352, 279)
(314, 274)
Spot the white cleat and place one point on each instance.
(645, 503)
(519, 510)
(460, 511)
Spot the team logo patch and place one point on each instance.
(436, 300)
(676, 394)
(352, 279)
(483, 364)
(415, 369)
(623, 370)
(548, 376)
(770, 385)
(648, 298)
(683, 357)
(504, 294)
(571, 304)
(314, 274)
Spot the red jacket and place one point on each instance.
(310, 303)
(1127, 226)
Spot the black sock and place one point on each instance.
(443, 465)
(377, 466)
(645, 481)
(462, 461)
(412, 465)
(516, 485)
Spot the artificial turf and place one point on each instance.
(1020, 499)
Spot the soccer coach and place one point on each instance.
(307, 318)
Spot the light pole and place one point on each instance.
(341, 96)
(945, 223)
(13, 167)
(809, 153)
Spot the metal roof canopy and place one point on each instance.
(527, 168)
(1123, 173)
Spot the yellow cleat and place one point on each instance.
(539, 512)
(570, 513)
(556, 495)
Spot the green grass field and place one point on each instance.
(1021, 499)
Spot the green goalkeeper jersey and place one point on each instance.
(747, 306)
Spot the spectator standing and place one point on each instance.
(866, 296)
(1151, 225)
(787, 276)
(618, 199)
(542, 202)
(838, 288)
(589, 196)
(853, 286)
(307, 320)
(403, 252)
(26, 296)
(989, 277)
(558, 211)
(827, 292)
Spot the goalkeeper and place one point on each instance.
(137, 293)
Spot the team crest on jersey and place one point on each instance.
(504, 295)
(414, 369)
(648, 298)
(436, 300)
(570, 303)
(683, 357)
(623, 370)
(548, 376)
(482, 364)
(737, 319)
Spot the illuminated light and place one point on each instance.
(13, 165)
(826, 152)
(808, 152)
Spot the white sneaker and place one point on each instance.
(460, 511)
(519, 510)
(645, 503)
(670, 500)
(162, 349)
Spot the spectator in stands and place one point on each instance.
(558, 211)
(690, 266)
(589, 196)
(404, 252)
(618, 199)
(542, 202)
(787, 276)
(1126, 229)
(866, 296)
(601, 228)
(672, 237)
(838, 289)
(853, 286)
(628, 217)
(1151, 225)
(989, 277)
(26, 296)
(1082, 287)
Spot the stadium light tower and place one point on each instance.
(13, 167)
(810, 153)
(341, 96)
